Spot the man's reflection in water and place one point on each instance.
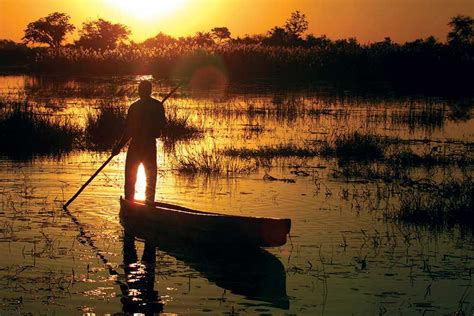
(140, 297)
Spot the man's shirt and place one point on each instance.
(145, 121)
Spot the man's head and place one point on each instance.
(144, 89)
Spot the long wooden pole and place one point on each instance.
(172, 92)
(109, 159)
(88, 181)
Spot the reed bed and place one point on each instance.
(440, 205)
(354, 146)
(435, 156)
(419, 65)
(104, 126)
(283, 150)
(178, 127)
(24, 132)
(85, 87)
(429, 116)
(212, 163)
(367, 147)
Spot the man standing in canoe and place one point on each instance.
(145, 122)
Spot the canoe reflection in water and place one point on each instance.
(251, 272)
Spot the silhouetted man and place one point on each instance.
(145, 122)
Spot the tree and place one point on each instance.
(203, 39)
(12, 53)
(277, 36)
(159, 40)
(220, 33)
(50, 30)
(462, 30)
(321, 42)
(297, 24)
(290, 34)
(250, 39)
(102, 34)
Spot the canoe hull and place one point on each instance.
(194, 226)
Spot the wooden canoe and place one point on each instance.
(205, 227)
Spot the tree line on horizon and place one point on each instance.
(283, 53)
(102, 34)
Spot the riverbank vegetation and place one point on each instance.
(284, 54)
(357, 156)
(440, 205)
(104, 126)
(27, 129)
(24, 132)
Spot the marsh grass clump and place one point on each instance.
(439, 205)
(104, 126)
(354, 147)
(288, 109)
(211, 162)
(285, 150)
(461, 110)
(338, 113)
(179, 128)
(435, 156)
(355, 171)
(320, 112)
(430, 116)
(202, 162)
(24, 132)
(357, 146)
(406, 158)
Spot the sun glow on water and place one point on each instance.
(140, 186)
(146, 9)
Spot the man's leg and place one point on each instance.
(151, 170)
(131, 168)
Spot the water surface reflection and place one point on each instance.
(253, 273)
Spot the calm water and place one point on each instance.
(343, 257)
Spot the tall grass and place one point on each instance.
(358, 147)
(429, 116)
(354, 146)
(104, 126)
(439, 205)
(211, 162)
(24, 132)
(284, 150)
(419, 65)
(179, 128)
(435, 156)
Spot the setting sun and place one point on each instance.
(148, 8)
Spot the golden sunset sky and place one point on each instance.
(367, 20)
